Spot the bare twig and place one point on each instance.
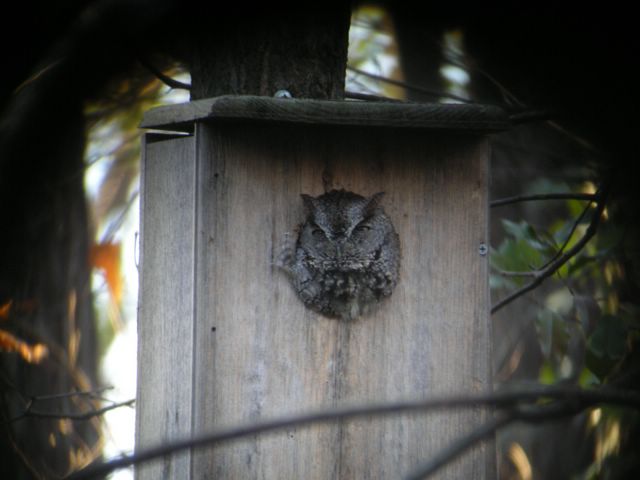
(114, 226)
(509, 96)
(463, 62)
(80, 393)
(369, 97)
(527, 413)
(408, 86)
(529, 116)
(575, 138)
(543, 196)
(577, 397)
(508, 273)
(167, 80)
(569, 236)
(552, 267)
(30, 412)
(461, 445)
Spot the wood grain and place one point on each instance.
(259, 352)
(458, 117)
(224, 339)
(166, 299)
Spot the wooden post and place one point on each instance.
(223, 338)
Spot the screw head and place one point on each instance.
(283, 94)
(483, 249)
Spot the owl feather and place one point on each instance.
(347, 255)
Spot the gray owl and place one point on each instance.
(347, 255)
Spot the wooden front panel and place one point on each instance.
(260, 353)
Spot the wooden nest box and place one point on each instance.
(223, 338)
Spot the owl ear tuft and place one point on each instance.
(373, 202)
(309, 203)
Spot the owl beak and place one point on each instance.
(340, 239)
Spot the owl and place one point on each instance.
(347, 255)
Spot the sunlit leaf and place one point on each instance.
(562, 233)
(29, 353)
(576, 207)
(521, 462)
(106, 257)
(11, 307)
(5, 309)
(587, 378)
(547, 374)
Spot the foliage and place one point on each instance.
(585, 333)
(372, 51)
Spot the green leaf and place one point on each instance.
(588, 379)
(547, 375)
(516, 255)
(562, 233)
(609, 237)
(579, 262)
(576, 207)
(609, 338)
(516, 230)
(525, 231)
(600, 366)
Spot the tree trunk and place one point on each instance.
(299, 50)
(419, 44)
(44, 279)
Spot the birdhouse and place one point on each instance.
(230, 333)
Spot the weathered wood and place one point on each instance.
(456, 117)
(258, 352)
(166, 316)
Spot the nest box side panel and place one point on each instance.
(166, 300)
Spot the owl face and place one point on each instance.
(343, 231)
(347, 255)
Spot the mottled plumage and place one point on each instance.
(347, 255)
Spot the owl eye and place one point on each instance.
(317, 232)
(362, 228)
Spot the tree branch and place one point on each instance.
(543, 196)
(460, 446)
(569, 236)
(526, 413)
(552, 267)
(369, 97)
(509, 273)
(407, 86)
(81, 393)
(529, 116)
(167, 80)
(578, 398)
(30, 412)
